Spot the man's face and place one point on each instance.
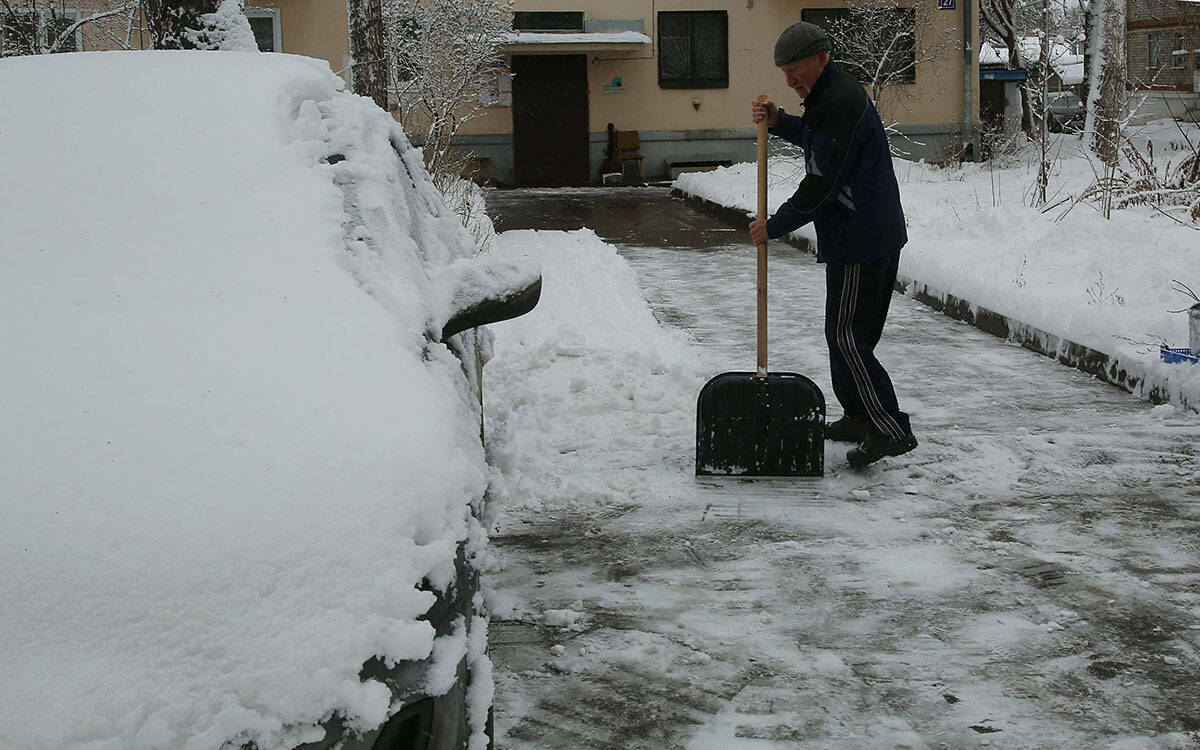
(802, 74)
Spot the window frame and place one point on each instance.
(693, 80)
(1154, 51)
(44, 16)
(528, 20)
(276, 26)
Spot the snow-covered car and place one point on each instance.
(1065, 112)
(242, 473)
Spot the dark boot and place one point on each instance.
(849, 429)
(875, 447)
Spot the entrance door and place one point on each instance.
(550, 119)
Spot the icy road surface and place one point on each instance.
(1028, 577)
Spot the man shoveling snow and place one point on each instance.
(851, 196)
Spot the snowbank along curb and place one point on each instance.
(1131, 376)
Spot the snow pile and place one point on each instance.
(231, 453)
(226, 29)
(587, 375)
(1104, 284)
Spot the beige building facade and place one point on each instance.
(685, 125)
(577, 67)
(679, 72)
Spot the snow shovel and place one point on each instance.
(759, 423)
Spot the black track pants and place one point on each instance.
(856, 305)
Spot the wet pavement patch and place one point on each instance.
(1106, 670)
(1044, 574)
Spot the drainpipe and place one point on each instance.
(968, 82)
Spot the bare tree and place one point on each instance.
(39, 27)
(999, 18)
(1008, 22)
(1106, 98)
(368, 50)
(1038, 88)
(445, 61)
(883, 42)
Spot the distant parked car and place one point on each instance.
(1065, 112)
(243, 473)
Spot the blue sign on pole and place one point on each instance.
(946, 4)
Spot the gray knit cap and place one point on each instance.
(799, 40)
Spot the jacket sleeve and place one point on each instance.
(828, 163)
(787, 127)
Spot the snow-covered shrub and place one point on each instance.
(1003, 148)
(465, 199)
(1138, 180)
(226, 29)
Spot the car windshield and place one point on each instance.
(1065, 99)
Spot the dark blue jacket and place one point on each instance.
(849, 191)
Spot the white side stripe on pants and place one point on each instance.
(858, 369)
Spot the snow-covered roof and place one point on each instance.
(1070, 71)
(230, 452)
(1066, 64)
(989, 55)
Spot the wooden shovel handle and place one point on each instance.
(762, 248)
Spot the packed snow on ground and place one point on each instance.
(1105, 284)
(588, 356)
(230, 452)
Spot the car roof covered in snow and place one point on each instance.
(231, 451)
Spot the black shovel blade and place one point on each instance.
(765, 426)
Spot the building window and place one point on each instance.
(1154, 51)
(1180, 52)
(864, 39)
(693, 49)
(264, 22)
(562, 21)
(28, 32)
(404, 34)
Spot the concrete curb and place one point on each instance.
(1129, 376)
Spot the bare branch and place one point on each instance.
(884, 44)
(69, 32)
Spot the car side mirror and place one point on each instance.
(485, 289)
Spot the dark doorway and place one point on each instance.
(991, 104)
(991, 114)
(550, 120)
